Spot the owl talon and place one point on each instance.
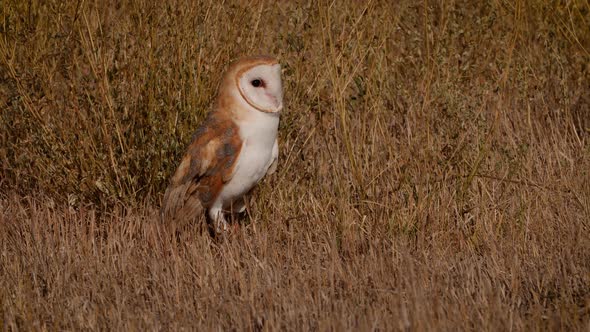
(224, 228)
(221, 227)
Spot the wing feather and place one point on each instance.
(209, 162)
(275, 158)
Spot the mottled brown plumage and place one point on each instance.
(205, 167)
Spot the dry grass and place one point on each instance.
(434, 167)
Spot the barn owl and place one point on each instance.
(233, 149)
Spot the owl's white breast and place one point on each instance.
(258, 134)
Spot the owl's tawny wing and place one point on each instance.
(208, 163)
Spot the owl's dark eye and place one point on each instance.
(256, 83)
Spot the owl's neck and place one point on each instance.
(260, 126)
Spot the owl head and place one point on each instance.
(254, 82)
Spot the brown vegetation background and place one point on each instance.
(433, 174)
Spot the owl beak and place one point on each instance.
(278, 104)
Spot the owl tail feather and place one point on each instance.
(180, 206)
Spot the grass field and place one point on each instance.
(434, 169)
